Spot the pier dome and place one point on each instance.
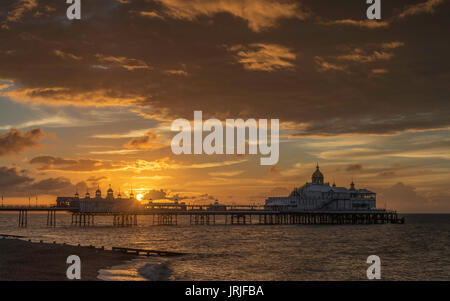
(98, 193)
(317, 176)
(110, 193)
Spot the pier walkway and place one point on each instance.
(203, 215)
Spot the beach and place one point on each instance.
(33, 261)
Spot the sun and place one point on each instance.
(139, 196)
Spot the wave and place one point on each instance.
(155, 271)
(142, 269)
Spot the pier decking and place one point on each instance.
(230, 215)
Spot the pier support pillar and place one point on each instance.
(23, 218)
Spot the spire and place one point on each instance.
(131, 193)
(352, 185)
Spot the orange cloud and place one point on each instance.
(22, 7)
(358, 56)
(264, 57)
(371, 24)
(424, 7)
(124, 62)
(260, 14)
(149, 141)
(65, 96)
(176, 72)
(323, 65)
(66, 55)
(147, 14)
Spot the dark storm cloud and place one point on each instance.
(12, 177)
(51, 183)
(16, 141)
(15, 182)
(289, 59)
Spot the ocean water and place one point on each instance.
(416, 250)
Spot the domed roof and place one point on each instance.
(317, 173)
(317, 177)
(110, 189)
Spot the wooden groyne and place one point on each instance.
(146, 252)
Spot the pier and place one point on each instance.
(23, 213)
(228, 215)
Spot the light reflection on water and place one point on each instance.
(417, 250)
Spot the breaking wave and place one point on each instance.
(145, 269)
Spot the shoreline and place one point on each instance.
(22, 260)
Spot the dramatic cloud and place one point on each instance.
(361, 23)
(428, 7)
(63, 96)
(354, 167)
(15, 15)
(14, 182)
(176, 72)
(260, 14)
(47, 163)
(330, 80)
(12, 177)
(323, 65)
(357, 56)
(126, 63)
(15, 141)
(150, 141)
(354, 57)
(264, 57)
(51, 184)
(148, 14)
(50, 163)
(66, 55)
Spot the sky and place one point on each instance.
(88, 103)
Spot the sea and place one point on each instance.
(416, 250)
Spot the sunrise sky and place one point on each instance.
(90, 102)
